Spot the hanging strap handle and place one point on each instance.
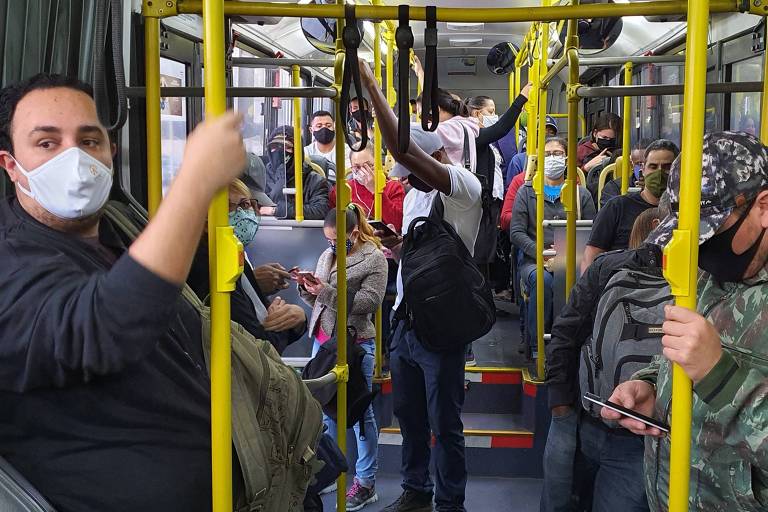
(465, 157)
(429, 95)
(404, 40)
(351, 38)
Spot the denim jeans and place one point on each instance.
(529, 271)
(367, 446)
(428, 391)
(559, 459)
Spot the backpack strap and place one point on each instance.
(636, 331)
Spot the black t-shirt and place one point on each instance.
(614, 222)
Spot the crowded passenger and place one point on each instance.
(455, 128)
(612, 188)
(323, 129)
(366, 282)
(597, 148)
(428, 387)
(363, 190)
(281, 176)
(519, 162)
(523, 230)
(106, 397)
(598, 465)
(722, 345)
(614, 222)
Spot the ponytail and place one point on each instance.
(356, 218)
(448, 103)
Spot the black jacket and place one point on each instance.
(105, 396)
(573, 327)
(486, 162)
(315, 192)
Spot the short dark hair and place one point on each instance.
(11, 95)
(662, 145)
(364, 102)
(320, 113)
(558, 140)
(607, 121)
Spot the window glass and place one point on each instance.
(284, 106)
(671, 106)
(712, 121)
(251, 108)
(173, 120)
(745, 106)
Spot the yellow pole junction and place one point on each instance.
(581, 122)
(224, 249)
(379, 182)
(152, 83)
(569, 190)
(298, 148)
(626, 138)
(682, 252)
(342, 201)
(764, 105)
(539, 188)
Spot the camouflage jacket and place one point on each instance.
(729, 436)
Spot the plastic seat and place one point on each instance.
(17, 494)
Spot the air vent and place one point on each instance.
(461, 66)
(465, 41)
(465, 27)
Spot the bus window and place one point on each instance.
(252, 108)
(712, 121)
(745, 106)
(173, 120)
(285, 109)
(671, 106)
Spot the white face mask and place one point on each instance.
(489, 120)
(71, 185)
(554, 167)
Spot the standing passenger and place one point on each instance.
(428, 386)
(323, 130)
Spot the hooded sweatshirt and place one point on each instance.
(451, 132)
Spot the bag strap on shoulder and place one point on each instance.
(429, 94)
(404, 40)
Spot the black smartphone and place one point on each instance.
(380, 226)
(602, 402)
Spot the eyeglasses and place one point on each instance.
(554, 153)
(244, 204)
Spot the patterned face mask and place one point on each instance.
(246, 224)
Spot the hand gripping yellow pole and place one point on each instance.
(539, 187)
(152, 83)
(626, 137)
(682, 253)
(342, 200)
(298, 147)
(223, 271)
(569, 193)
(379, 180)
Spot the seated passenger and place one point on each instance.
(367, 280)
(596, 149)
(363, 187)
(105, 393)
(613, 223)
(584, 457)
(522, 230)
(280, 175)
(518, 162)
(323, 129)
(612, 188)
(273, 320)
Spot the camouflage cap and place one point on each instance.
(734, 169)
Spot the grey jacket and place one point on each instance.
(522, 230)
(366, 277)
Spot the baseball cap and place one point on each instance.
(429, 142)
(734, 169)
(550, 121)
(282, 135)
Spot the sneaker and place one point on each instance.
(470, 360)
(328, 490)
(359, 496)
(411, 501)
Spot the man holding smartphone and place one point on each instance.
(722, 347)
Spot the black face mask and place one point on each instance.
(605, 143)
(276, 159)
(324, 135)
(716, 255)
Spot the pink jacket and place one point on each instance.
(452, 135)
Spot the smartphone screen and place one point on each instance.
(380, 226)
(602, 402)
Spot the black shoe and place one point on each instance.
(411, 501)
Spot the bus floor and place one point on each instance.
(501, 347)
(483, 493)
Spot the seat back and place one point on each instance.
(17, 494)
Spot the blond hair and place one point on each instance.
(356, 218)
(241, 188)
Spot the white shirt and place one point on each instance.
(313, 150)
(498, 177)
(462, 210)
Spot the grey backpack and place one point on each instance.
(627, 332)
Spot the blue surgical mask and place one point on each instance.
(246, 224)
(333, 246)
(552, 192)
(638, 171)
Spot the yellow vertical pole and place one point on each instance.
(218, 229)
(298, 147)
(626, 137)
(764, 103)
(569, 192)
(342, 201)
(518, 71)
(682, 252)
(152, 82)
(389, 35)
(539, 187)
(379, 180)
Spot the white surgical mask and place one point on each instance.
(71, 185)
(554, 167)
(490, 120)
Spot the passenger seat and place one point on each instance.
(18, 495)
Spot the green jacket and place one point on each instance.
(729, 431)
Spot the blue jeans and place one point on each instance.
(559, 458)
(367, 446)
(529, 272)
(428, 391)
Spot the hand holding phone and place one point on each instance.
(380, 226)
(307, 277)
(603, 402)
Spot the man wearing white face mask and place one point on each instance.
(96, 345)
(523, 229)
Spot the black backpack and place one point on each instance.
(487, 234)
(447, 299)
